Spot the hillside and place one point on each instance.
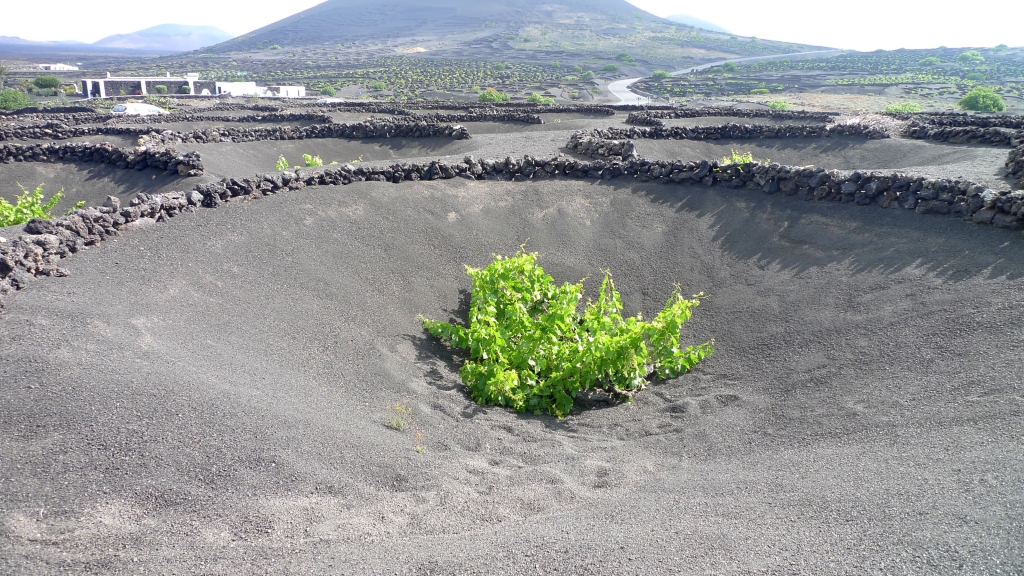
(531, 30)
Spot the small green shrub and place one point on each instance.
(623, 57)
(44, 82)
(312, 161)
(730, 67)
(778, 105)
(275, 47)
(499, 66)
(930, 61)
(11, 99)
(328, 90)
(492, 95)
(975, 77)
(760, 91)
(970, 57)
(556, 65)
(399, 417)
(30, 205)
(529, 348)
(536, 98)
(282, 164)
(376, 86)
(982, 99)
(903, 108)
(716, 70)
(184, 90)
(577, 69)
(610, 68)
(738, 158)
(160, 101)
(160, 89)
(659, 74)
(588, 75)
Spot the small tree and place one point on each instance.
(730, 67)
(184, 90)
(46, 82)
(930, 61)
(328, 90)
(659, 74)
(577, 69)
(970, 57)
(491, 95)
(377, 86)
(588, 75)
(11, 99)
(610, 68)
(160, 89)
(982, 99)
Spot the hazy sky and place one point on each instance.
(860, 25)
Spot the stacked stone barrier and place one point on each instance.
(585, 143)
(370, 128)
(965, 134)
(962, 119)
(738, 131)
(39, 251)
(140, 158)
(279, 117)
(48, 110)
(1015, 165)
(512, 109)
(658, 117)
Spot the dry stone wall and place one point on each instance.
(657, 117)
(139, 158)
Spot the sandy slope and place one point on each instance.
(209, 396)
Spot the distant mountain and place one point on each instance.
(14, 40)
(167, 38)
(697, 23)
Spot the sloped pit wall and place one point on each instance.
(168, 159)
(39, 251)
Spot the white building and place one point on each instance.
(57, 67)
(287, 91)
(97, 87)
(240, 89)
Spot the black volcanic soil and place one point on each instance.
(210, 395)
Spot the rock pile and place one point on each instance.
(585, 143)
(140, 158)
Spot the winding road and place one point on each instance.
(620, 89)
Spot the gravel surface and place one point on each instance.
(210, 395)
